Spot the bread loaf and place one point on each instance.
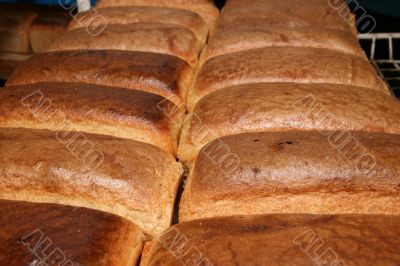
(50, 234)
(95, 109)
(131, 179)
(286, 106)
(96, 19)
(144, 37)
(46, 28)
(327, 172)
(284, 64)
(205, 8)
(246, 39)
(160, 74)
(281, 240)
(14, 29)
(262, 14)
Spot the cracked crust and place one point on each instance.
(75, 235)
(133, 14)
(130, 179)
(160, 74)
(143, 37)
(284, 64)
(295, 172)
(281, 240)
(285, 107)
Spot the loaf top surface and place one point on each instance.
(75, 235)
(281, 240)
(287, 106)
(95, 19)
(132, 179)
(296, 162)
(252, 38)
(315, 13)
(145, 37)
(285, 64)
(160, 74)
(92, 108)
(205, 8)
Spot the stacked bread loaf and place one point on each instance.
(94, 123)
(292, 143)
(290, 138)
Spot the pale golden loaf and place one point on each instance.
(265, 107)
(51, 234)
(127, 178)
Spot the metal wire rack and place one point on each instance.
(383, 49)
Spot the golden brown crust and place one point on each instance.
(286, 106)
(284, 64)
(131, 179)
(143, 37)
(160, 74)
(250, 38)
(260, 14)
(281, 240)
(75, 236)
(295, 172)
(14, 29)
(92, 108)
(97, 18)
(205, 8)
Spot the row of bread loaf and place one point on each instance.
(286, 165)
(94, 123)
(292, 143)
